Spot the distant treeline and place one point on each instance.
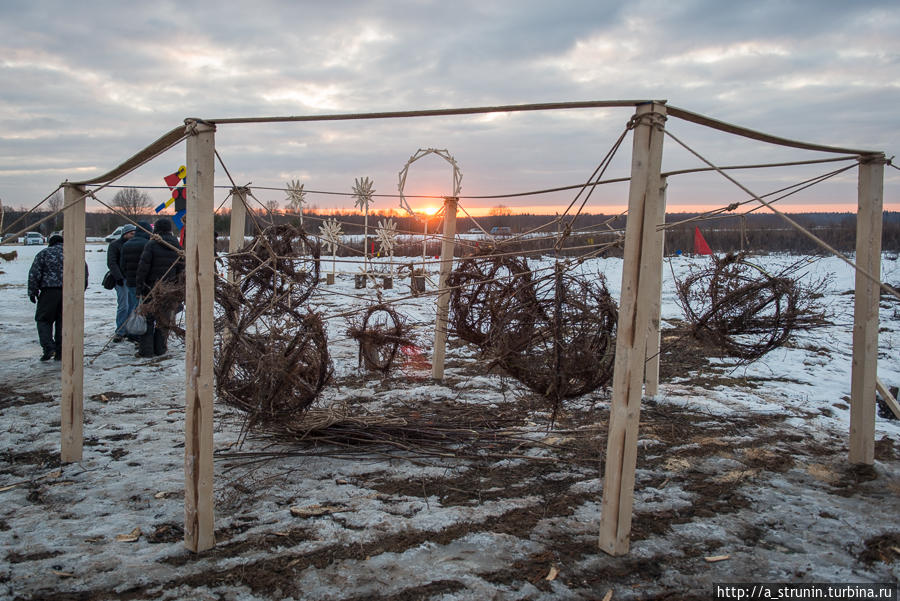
(755, 232)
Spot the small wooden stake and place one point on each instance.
(631, 338)
(198, 340)
(865, 314)
(651, 387)
(72, 401)
(889, 399)
(443, 301)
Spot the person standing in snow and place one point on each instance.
(160, 261)
(113, 254)
(128, 264)
(45, 280)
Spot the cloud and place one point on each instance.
(88, 84)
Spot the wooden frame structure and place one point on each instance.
(638, 327)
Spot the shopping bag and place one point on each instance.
(136, 324)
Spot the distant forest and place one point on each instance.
(759, 232)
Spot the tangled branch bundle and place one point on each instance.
(165, 302)
(481, 288)
(272, 359)
(380, 331)
(746, 311)
(279, 269)
(274, 375)
(560, 340)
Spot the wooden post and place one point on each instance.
(651, 387)
(638, 283)
(443, 302)
(198, 340)
(865, 314)
(238, 224)
(72, 400)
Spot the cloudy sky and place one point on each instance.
(84, 85)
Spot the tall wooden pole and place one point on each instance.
(651, 386)
(72, 401)
(864, 369)
(638, 283)
(198, 341)
(443, 302)
(238, 223)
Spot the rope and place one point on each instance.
(604, 164)
(790, 221)
(566, 264)
(153, 236)
(805, 184)
(699, 119)
(508, 108)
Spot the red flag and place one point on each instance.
(700, 245)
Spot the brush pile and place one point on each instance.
(380, 332)
(482, 287)
(164, 303)
(560, 341)
(272, 354)
(745, 311)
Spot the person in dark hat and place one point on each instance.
(128, 264)
(160, 261)
(45, 280)
(113, 254)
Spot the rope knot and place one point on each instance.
(656, 120)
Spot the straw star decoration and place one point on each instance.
(363, 192)
(296, 196)
(331, 233)
(387, 235)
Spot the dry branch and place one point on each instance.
(272, 360)
(481, 287)
(559, 341)
(740, 308)
(380, 332)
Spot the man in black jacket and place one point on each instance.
(128, 263)
(113, 254)
(160, 261)
(45, 280)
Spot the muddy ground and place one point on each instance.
(767, 493)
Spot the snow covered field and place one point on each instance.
(747, 462)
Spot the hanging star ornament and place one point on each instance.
(331, 232)
(362, 191)
(387, 236)
(296, 196)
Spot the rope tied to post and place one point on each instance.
(192, 123)
(652, 119)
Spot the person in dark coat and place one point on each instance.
(129, 258)
(45, 280)
(113, 254)
(160, 261)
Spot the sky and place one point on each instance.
(85, 85)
